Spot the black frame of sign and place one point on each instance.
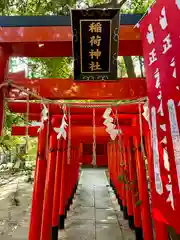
(95, 44)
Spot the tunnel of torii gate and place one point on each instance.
(152, 208)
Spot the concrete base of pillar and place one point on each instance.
(68, 207)
(111, 183)
(55, 233)
(131, 222)
(71, 200)
(139, 233)
(61, 221)
(120, 204)
(125, 213)
(65, 212)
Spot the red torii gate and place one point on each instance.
(81, 132)
(59, 40)
(82, 126)
(56, 41)
(124, 88)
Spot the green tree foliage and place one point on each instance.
(50, 67)
(137, 6)
(35, 7)
(6, 141)
(61, 67)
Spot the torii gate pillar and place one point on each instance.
(4, 57)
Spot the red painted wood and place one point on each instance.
(124, 88)
(38, 190)
(143, 193)
(56, 41)
(46, 228)
(127, 167)
(161, 230)
(54, 34)
(57, 185)
(36, 108)
(64, 49)
(135, 191)
(118, 166)
(124, 190)
(63, 180)
(78, 132)
(4, 57)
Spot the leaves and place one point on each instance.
(121, 178)
(138, 203)
(35, 7)
(137, 6)
(50, 67)
(56, 67)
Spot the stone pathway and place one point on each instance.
(95, 213)
(14, 220)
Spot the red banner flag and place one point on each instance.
(160, 45)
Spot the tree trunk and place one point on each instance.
(129, 66)
(128, 60)
(112, 4)
(141, 65)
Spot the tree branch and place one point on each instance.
(112, 4)
(122, 3)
